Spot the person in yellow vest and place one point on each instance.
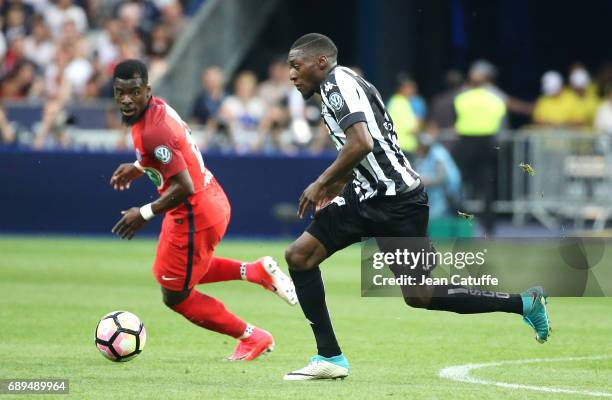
(583, 95)
(554, 107)
(480, 110)
(404, 119)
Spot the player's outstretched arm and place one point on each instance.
(181, 187)
(358, 144)
(124, 175)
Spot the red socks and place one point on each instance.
(210, 313)
(223, 269)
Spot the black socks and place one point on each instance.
(464, 300)
(311, 293)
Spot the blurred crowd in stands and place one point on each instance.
(252, 116)
(60, 54)
(57, 59)
(64, 51)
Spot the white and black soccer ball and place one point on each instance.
(120, 336)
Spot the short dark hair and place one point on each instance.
(130, 69)
(316, 43)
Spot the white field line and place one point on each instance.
(461, 373)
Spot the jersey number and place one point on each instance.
(194, 146)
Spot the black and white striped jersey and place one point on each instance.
(347, 99)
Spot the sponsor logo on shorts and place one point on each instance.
(169, 278)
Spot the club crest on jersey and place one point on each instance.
(155, 176)
(138, 155)
(335, 100)
(163, 154)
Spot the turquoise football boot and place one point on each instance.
(534, 312)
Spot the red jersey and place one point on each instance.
(164, 147)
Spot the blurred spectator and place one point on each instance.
(38, 47)
(274, 130)
(69, 33)
(308, 129)
(157, 48)
(15, 24)
(592, 89)
(275, 90)
(242, 112)
(61, 11)
(442, 114)
(553, 107)
(208, 102)
(160, 42)
(440, 175)
(172, 17)
(480, 109)
(583, 96)
(488, 74)
(7, 132)
(417, 103)
(67, 79)
(26, 9)
(78, 72)
(131, 15)
(130, 47)
(139, 15)
(206, 106)
(106, 44)
(21, 83)
(405, 121)
(603, 117)
(14, 55)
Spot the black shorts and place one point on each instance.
(346, 221)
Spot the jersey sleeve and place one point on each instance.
(162, 145)
(345, 98)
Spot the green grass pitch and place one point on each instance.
(54, 290)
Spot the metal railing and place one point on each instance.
(554, 176)
(572, 179)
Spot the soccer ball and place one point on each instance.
(120, 336)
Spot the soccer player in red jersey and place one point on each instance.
(197, 213)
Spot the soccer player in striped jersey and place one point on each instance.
(370, 190)
(197, 213)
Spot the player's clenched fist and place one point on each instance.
(123, 176)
